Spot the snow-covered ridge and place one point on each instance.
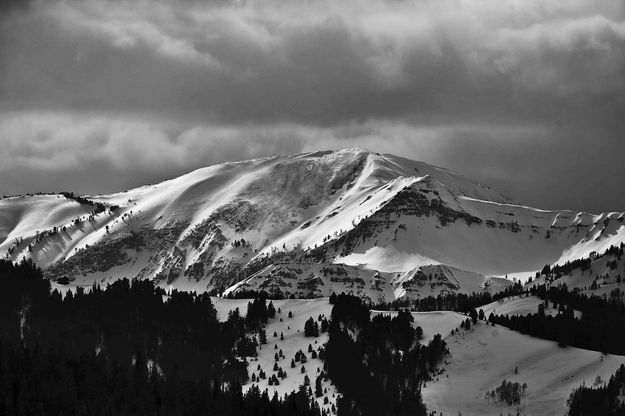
(220, 225)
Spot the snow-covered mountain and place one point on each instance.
(308, 224)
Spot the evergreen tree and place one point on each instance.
(473, 315)
(318, 388)
(311, 328)
(271, 310)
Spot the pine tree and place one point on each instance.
(318, 388)
(311, 328)
(473, 315)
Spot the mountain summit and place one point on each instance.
(306, 225)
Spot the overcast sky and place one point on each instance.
(525, 95)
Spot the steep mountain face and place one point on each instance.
(429, 219)
(376, 221)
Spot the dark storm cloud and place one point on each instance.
(513, 93)
(8, 6)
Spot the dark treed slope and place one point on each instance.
(129, 349)
(378, 363)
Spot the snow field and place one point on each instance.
(483, 356)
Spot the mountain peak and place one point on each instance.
(217, 225)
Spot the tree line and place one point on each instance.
(599, 328)
(457, 302)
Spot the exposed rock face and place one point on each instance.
(310, 279)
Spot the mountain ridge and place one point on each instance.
(217, 226)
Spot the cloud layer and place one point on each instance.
(528, 96)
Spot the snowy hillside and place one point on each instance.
(599, 274)
(289, 330)
(483, 356)
(520, 305)
(480, 358)
(378, 222)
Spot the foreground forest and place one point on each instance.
(128, 349)
(132, 348)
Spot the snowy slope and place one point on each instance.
(380, 214)
(606, 272)
(520, 305)
(480, 359)
(294, 340)
(484, 355)
(480, 236)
